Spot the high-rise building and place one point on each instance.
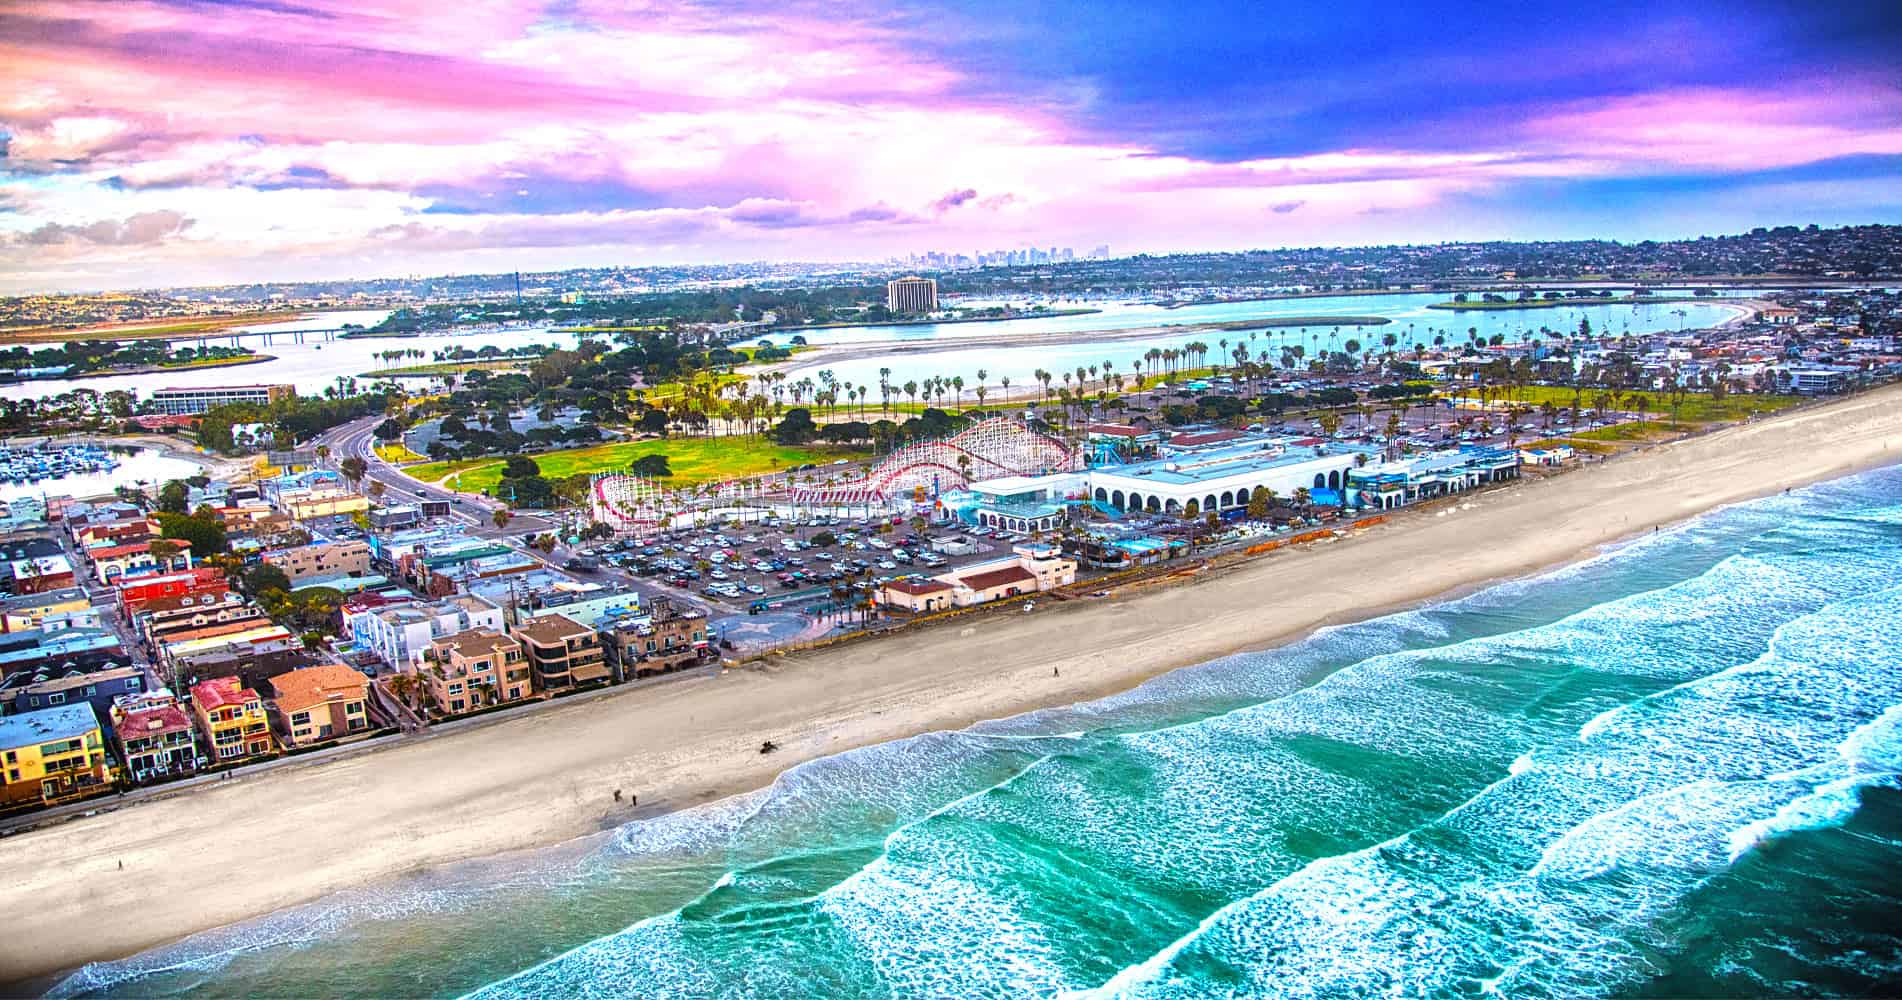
(200, 399)
(911, 295)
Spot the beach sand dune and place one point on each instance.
(232, 850)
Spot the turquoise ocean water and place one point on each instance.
(1669, 770)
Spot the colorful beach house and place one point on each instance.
(232, 719)
(53, 755)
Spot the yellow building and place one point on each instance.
(52, 755)
(326, 503)
(68, 608)
(233, 720)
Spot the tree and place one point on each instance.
(520, 467)
(651, 466)
(1258, 504)
(204, 534)
(353, 468)
(173, 497)
(388, 430)
(501, 518)
(264, 577)
(796, 427)
(825, 539)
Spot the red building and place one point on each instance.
(134, 591)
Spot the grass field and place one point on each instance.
(395, 452)
(452, 367)
(693, 460)
(1697, 408)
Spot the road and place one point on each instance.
(358, 438)
(478, 512)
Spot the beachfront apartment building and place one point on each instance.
(53, 755)
(476, 668)
(232, 719)
(154, 736)
(562, 652)
(911, 294)
(666, 637)
(198, 399)
(400, 633)
(321, 703)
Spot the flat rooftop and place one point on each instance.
(1254, 456)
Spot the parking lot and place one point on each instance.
(786, 565)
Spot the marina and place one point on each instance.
(33, 465)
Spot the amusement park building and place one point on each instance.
(1223, 478)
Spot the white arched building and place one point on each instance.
(1223, 478)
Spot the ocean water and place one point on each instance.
(1672, 769)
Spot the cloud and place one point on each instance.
(403, 135)
(952, 200)
(144, 229)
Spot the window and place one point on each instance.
(56, 699)
(354, 708)
(300, 719)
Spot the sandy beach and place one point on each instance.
(206, 857)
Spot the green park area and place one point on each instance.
(1692, 407)
(692, 461)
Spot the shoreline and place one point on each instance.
(835, 353)
(174, 329)
(1046, 314)
(254, 359)
(541, 778)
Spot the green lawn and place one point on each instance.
(396, 452)
(1698, 407)
(693, 460)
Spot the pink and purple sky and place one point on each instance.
(166, 142)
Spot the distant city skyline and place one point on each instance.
(173, 142)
